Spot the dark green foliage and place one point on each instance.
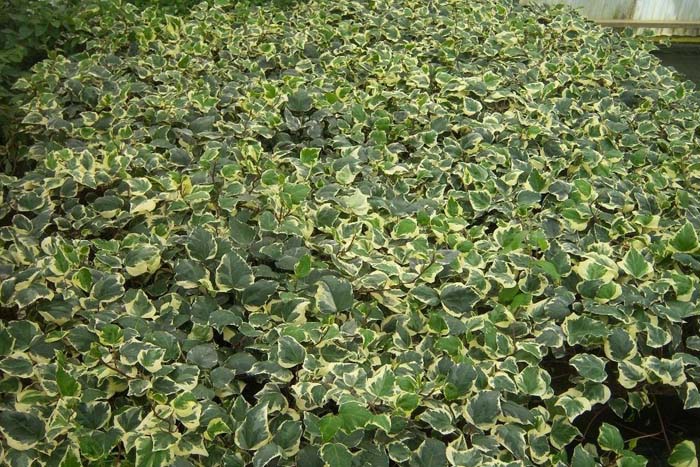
(32, 30)
(351, 234)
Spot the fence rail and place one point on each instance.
(644, 23)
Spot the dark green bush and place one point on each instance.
(376, 233)
(32, 30)
(28, 31)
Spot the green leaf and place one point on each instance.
(233, 273)
(684, 455)
(20, 366)
(431, 453)
(108, 289)
(93, 415)
(201, 244)
(336, 455)
(83, 279)
(136, 303)
(216, 427)
(405, 228)
(619, 345)
(67, 385)
(354, 416)
(610, 439)
(22, 430)
(98, 445)
(484, 409)
(151, 359)
(303, 267)
(294, 193)
(190, 274)
(408, 402)
(630, 459)
(582, 458)
(300, 101)
(472, 106)
(513, 439)
(289, 352)
(685, 240)
(381, 384)
(254, 432)
(533, 381)
(333, 295)
(458, 298)
(309, 156)
(142, 260)
(288, 436)
(356, 203)
(258, 293)
(329, 426)
(439, 419)
(480, 200)
(147, 456)
(589, 366)
(562, 432)
(203, 355)
(583, 330)
(635, 265)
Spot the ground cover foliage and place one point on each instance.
(343, 233)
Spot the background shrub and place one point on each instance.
(32, 30)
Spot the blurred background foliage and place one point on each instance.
(32, 30)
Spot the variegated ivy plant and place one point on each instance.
(393, 232)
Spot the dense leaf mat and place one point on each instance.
(406, 232)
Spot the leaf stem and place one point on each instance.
(115, 368)
(663, 426)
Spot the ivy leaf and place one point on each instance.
(303, 267)
(336, 454)
(290, 353)
(93, 415)
(405, 228)
(589, 366)
(329, 426)
(300, 102)
(254, 431)
(431, 453)
(582, 458)
(484, 409)
(619, 345)
(480, 200)
(610, 439)
(458, 298)
(439, 420)
(635, 265)
(334, 295)
(108, 289)
(22, 430)
(201, 245)
(354, 416)
(203, 355)
(684, 455)
(381, 384)
(67, 385)
(233, 273)
(258, 293)
(288, 436)
(148, 456)
(142, 260)
(685, 240)
(512, 438)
